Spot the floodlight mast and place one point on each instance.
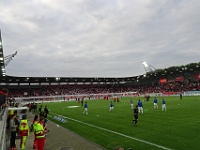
(8, 58)
(147, 67)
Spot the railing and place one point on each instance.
(3, 118)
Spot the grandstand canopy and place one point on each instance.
(67, 80)
(171, 72)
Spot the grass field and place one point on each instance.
(178, 128)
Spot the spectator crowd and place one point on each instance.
(53, 90)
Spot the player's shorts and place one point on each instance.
(136, 116)
(140, 109)
(155, 104)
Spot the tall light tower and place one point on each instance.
(4, 61)
(8, 58)
(148, 68)
(2, 66)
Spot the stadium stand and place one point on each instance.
(53, 90)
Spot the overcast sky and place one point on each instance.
(98, 38)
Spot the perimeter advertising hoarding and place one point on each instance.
(192, 93)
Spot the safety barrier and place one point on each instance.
(3, 118)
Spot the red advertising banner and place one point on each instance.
(181, 78)
(162, 81)
(197, 76)
(171, 80)
(168, 93)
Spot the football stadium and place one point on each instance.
(100, 113)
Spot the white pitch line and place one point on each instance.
(136, 139)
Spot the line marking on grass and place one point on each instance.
(136, 139)
(49, 116)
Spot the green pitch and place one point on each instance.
(178, 128)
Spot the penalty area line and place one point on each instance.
(104, 129)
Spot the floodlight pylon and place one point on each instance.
(147, 67)
(8, 58)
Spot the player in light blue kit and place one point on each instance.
(155, 103)
(132, 105)
(140, 106)
(164, 105)
(85, 109)
(111, 106)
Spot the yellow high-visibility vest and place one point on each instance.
(39, 130)
(34, 125)
(24, 128)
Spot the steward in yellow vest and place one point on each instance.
(23, 131)
(39, 130)
(39, 134)
(34, 126)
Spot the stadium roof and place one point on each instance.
(12, 79)
(169, 73)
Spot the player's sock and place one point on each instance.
(135, 122)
